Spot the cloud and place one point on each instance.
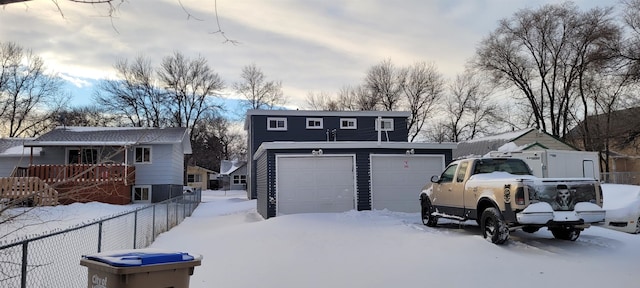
(308, 45)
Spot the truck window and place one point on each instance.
(447, 175)
(509, 165)
(462, 171)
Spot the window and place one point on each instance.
(143, 154)
(239, 179)
(82, 156)
(348, 123)
(385, 124)
(194, 178)
(462, 171)
(142, 193)
(277, 124)
(314, 123)
(447, 175)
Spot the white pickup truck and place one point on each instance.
(502, 196)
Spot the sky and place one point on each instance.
(310, 46)
(371, 249)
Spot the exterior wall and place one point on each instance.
(204, 177)
(544, 139)
(240, 171)
(263, 187)
(297, 131)
(266, 166)
(7, 164)
(166, 167)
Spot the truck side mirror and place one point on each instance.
(435, 178)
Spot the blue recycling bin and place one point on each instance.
(140, 268)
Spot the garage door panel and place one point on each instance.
(397, 180)
(314, 184)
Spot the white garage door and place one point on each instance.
(312, 184)
(396, 180)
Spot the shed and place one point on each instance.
(522, 140)
(316, 177)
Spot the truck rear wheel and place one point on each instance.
(565, 233)
(493, 226)
(427, 209)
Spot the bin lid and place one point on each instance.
(139, 257)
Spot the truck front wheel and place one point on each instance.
(493, 226)
(427, 210)
(565, 233)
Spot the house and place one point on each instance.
(334, 161)
(13, 154)
(198, 177)
(116, 165)
(233, 175)
(617, 137)
(521, 140)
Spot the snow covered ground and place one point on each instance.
(368, 249)
(387, 249)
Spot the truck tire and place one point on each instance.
(427, 209)
(565, 233)
(493, 226)
(530, 229)
(637, 226)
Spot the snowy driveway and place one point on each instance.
(386, 249)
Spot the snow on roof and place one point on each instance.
(229, 166)
(508, 136)
(20, 151)
(11, 147)
(92, 129)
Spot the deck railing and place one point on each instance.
(50, 174)
(29, 190)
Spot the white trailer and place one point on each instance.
(558, 163)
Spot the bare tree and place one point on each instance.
(190, 85)
(542, 53)
(90, 116)
(28, 96)
(259, 93)
(322, 101)
(422, 87)
(134, 94)
(468, 107)
(383, 85)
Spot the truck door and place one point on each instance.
(447, 195)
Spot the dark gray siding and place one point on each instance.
(363, 200)
(261, 186)
(297, 131)
(266, 164)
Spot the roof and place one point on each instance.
(322, 113)
(11, 147)
(116, 136)
(481, 146)
(351, 145)
(229, 166)
(201, 169)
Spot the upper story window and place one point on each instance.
(276, 124)
(348, 123)
(314, 123)
(143, 155)
(385, 124)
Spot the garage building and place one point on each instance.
(317, 177)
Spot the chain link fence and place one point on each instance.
(53, 260)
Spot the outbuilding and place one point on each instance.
(316, 177)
